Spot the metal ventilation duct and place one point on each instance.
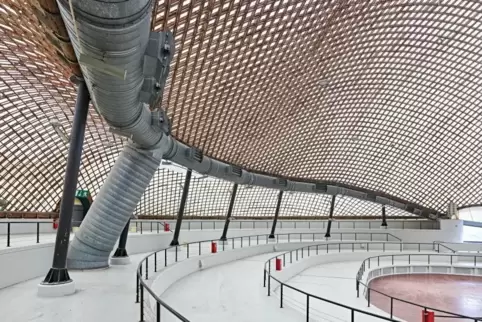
(125, 67)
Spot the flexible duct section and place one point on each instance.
(125, 67)
(112, 208)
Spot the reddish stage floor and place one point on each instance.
(453, 293)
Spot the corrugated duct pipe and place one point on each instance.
(122, 62)
(125, 67)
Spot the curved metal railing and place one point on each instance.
(368, 290)
(153, 262)
(338, 247)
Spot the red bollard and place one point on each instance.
(428, 316)
(214, 247)
(278, 264)
(166, 227)
(55, 223)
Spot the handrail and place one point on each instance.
(268, 276)
(153, 226)
(440, 243)
(143, 270)
(361, 272)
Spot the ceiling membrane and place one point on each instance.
(381, 95)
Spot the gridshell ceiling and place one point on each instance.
(381, 95)
(210, 197)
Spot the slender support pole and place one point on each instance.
(330, 218)
(384, 217)
(120, 256)
(230, 211)
(276, 214)
(58, 274)
(180, 213)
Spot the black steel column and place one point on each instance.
(230, 210)
(58, 273)
(180, 213)
(121, 249)
(330, 218)
(384, 217)
(275, 220)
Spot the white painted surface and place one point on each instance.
(57, 290)
(101, 295)
(38, 258)
(29, 226)
(231, 292)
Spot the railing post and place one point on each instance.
(38, 232)
(155, 262)
(269, 279)
(180, 213)
(307, 308)
(352, 315)
(147, 268)
(8, 234)
(281, 297)
(137, 286)
(264, 277)
(357, 288)
(165, 257)
(330, 217)
(391, 307)
(384, 217)
(142, 303)
(276, 214)
(291, 257)
(368, 297)
(158, 312)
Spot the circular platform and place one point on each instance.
(453, 293)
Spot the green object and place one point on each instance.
(82, 193)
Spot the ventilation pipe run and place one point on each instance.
(125, 66)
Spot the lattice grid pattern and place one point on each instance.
(382, 95)
(209, 197)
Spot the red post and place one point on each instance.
(214, 247)
(166, 227)
(428, 316)
(278, 264)
(55, 223)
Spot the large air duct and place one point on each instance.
(125, 66)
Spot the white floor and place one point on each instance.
(333, 281)
(232, 292)
(102, 295)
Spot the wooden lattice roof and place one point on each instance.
(382, 95)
